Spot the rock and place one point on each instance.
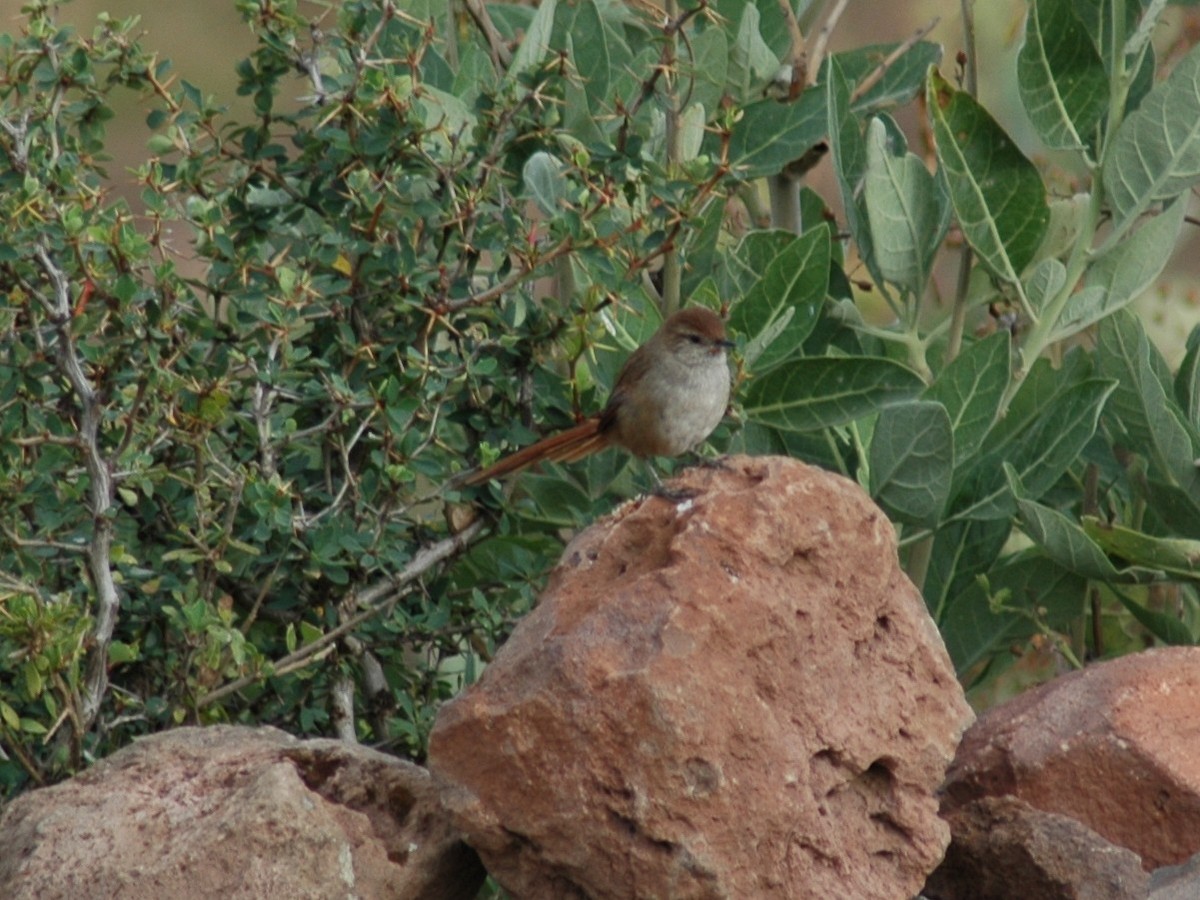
(1176, 882)
(738, 695)
(1002, 848)
(1113, 746)
(228, 812)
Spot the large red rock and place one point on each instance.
(226, 812)
(1116, 746)
(739, 695)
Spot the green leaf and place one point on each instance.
(1151, 11)
(309, 633)
(743, 268)
(1097, 19)
(1120, 275)
(770, 134)
(34, 682)
(451, 117)
(907, 214)
(997, 193)
(751, 62)
(1178, 509)
(1060, 538)
(603, 52)
(1187, 380)
(1035, 587)
(1043, 383)
(780, 310)
(558, 500)
(769, 20)
(700, 248)
(710, 60)
(912, 458)
(1167, 629)
(544, 182)
(810, 394)
(161, 144)
(1039, 452)
(1142, 415)
(121, 652)
(1177, 557)
(971, 388)
(901, 80)
(536, 43)
(1155, 155)
(691, 131)
(961, 551)
(849, 152)
(1044, 283)
(10, 717)
(1060, 76)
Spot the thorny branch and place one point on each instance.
(669, 30)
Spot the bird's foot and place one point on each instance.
(673, 494)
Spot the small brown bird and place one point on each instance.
(669, 396)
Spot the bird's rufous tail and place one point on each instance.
(566, 446)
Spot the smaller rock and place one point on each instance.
(228, 812)
(1113, 746)
(1002, 848)
(1177, 882)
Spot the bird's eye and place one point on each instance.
(694, 338)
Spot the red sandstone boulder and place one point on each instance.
(739, 696)
(227, 812)
(1115, 746)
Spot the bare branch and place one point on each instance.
(101, 490)
(342, 700)
(797, 55)
(373, 601)
(818, 50)
(18, 154)
(501, 55)
(519, 274)
(880, 70)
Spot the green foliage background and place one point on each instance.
(230, 419)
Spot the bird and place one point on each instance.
(668, 397)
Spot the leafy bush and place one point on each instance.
(229, 419)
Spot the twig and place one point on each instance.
(501, 55)
(670, 29)
(958, 314)
(880, 70)
(797, 54)
(61, 546)
(968, 17)
(28, 763)
(19, 133)
(818, 50)
(519, 274)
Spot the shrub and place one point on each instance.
(230, 418)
